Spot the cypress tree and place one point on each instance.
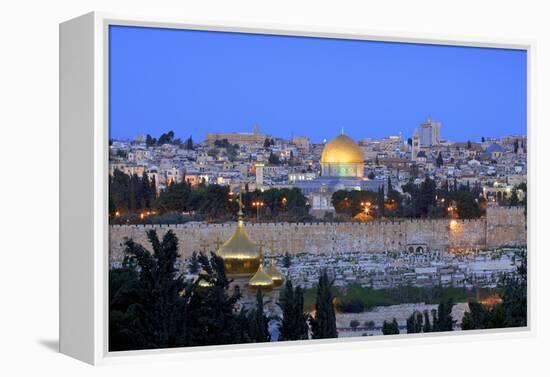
(287, 260)
(153, 188)
(259, 331)
(390, 328)
(194, 264)
(294, 323)
(323, 325)
(427, 327)
(146, 190)
(444, 320)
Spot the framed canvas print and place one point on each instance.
(227, 187)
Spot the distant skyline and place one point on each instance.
(194, 82)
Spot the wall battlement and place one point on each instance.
(501, 226)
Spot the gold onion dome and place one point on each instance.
(240, 253)
(342, 150)
(276, 275)
(261, 279)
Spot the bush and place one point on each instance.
(351, 306)
(354, 323)
(369, 325)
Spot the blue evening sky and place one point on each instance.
(193, 82)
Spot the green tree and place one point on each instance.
(274, 159)
(370, 325)
(323, 325)
(380, 201)
(215, 203)
(514, 200)
(166, 138)
(119, 190)
(176, 197)
(287, 260)
(439, 160)
(154, 318)
(258, 322)
(194, 263)
(415, 323)
(146, 193)
(474, 318)
(466, 204)
(444, 320)
(123, 293)
(189, 143)
(150, 141)
(210, 314)
(293, 325)
(427, 326)
(390, 328)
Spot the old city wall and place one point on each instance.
(501, 226)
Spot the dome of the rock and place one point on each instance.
(342, 157)
(342, 150)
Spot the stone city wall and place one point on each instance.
(501, 226)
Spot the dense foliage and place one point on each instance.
(129, 196)
(294, 325)
(390, 327)
(323, 323)
(151, 306)
(424, 200)
(511, 312)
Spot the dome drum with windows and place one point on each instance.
(342, 157)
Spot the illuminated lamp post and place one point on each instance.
(366, 207)
(258, 204)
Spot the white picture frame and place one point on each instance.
(83, 188)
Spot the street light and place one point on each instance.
(366, 206)
(257, 204)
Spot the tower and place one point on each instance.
(415, 145)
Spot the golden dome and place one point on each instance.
(240, 254)
(261, 279)
(342, 150)
(276, 275)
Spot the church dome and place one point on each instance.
(240, 254)
(342, 150)
(276, 275)
(261, 279)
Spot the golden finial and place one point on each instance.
(240, 214)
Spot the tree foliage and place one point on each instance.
(151, 306)
(323, 325)
(390, 327)
(294, 324)
(151, 316)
